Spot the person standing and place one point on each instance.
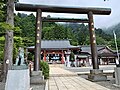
(72, 58)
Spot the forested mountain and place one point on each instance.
(81, 33)
(78, 34)
(115, 28)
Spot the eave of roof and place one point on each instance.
(55, 45)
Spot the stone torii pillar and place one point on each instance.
(38, 40)
(95, 73)
(93, 41)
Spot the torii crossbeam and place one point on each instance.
(74, 20)
(56, 9)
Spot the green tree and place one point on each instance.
(2, 30)
(2, 10)
(102, 34)
(71, 36)
(55, 31)
(26, 24)
(99, 41)
(78, 34)
(81, 33)
(112, 44)
(48, 32)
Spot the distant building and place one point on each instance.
(105, 54)
(55, 49)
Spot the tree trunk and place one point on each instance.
(8, 49)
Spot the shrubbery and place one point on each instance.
(45, 69)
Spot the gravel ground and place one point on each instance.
(108, 84)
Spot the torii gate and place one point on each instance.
(45, 8)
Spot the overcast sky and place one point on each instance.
(101, 21)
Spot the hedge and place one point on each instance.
(45, 69)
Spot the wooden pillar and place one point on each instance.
(38, 40)
(26, 55)
(93, 41)
(62, 61)
(44, 55)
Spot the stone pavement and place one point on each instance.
(57, 70)
(61, 79)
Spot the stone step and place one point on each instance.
(37, 77)
(36, 73)
(96, 71)
(97, 77)
(37, 80)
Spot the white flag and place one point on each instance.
(114, 35)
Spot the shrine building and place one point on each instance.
(55, 49)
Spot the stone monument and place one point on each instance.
(18, 78)
(20, 57)
(20, 61)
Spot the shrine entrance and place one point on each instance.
(45, 8)
(53, 56)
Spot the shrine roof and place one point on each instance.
(100, 49)
(55, 44)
